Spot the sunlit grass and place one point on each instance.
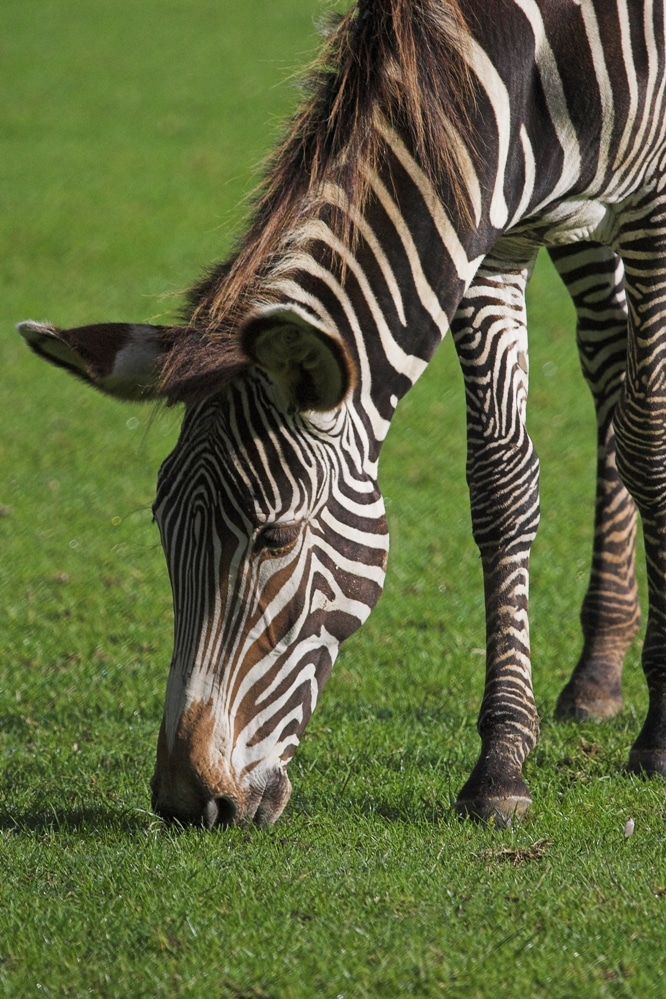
(129, 136)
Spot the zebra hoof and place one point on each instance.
(591, 704)
(647, 762)
(498, 812)
(491, 805)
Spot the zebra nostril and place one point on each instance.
(220, 811)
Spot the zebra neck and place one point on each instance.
(390, 291)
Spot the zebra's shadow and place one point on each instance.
(92, 819)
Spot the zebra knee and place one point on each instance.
(503, 479)
(641, 455)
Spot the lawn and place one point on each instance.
(130, 136)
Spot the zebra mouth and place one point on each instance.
(259, 806)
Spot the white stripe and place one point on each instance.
(627, 55)
(605, 93)
(498, 97)
(555, 99)
(336, 196)
(465, 268)
(530, 177)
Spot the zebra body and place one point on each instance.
(444, 147)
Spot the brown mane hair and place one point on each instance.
(398, 59)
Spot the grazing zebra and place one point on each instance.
(441, 144)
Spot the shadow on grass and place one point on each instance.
(409, 814)
(400, 810)
(95, 819)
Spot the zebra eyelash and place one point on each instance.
(276, 539)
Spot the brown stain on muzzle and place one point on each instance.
(194, 771)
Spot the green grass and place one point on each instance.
(129, 136)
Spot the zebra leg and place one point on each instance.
(640, 430)
(490, 334)
(610, 615)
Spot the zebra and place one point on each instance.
(441, 143)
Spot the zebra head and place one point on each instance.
(275, 538)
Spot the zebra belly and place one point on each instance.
(573, 220)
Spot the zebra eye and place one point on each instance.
(277, 538)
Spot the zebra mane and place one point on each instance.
(400, 61)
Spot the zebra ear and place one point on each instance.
(121, 359)
(312, 368)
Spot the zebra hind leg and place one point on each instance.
(610, 615)
(502, 472)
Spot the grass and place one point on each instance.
(129, 136)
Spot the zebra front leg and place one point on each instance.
(640, 430)
(610, 615)
(502, 473)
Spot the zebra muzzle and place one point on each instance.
(261, 806)
(194, 784)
